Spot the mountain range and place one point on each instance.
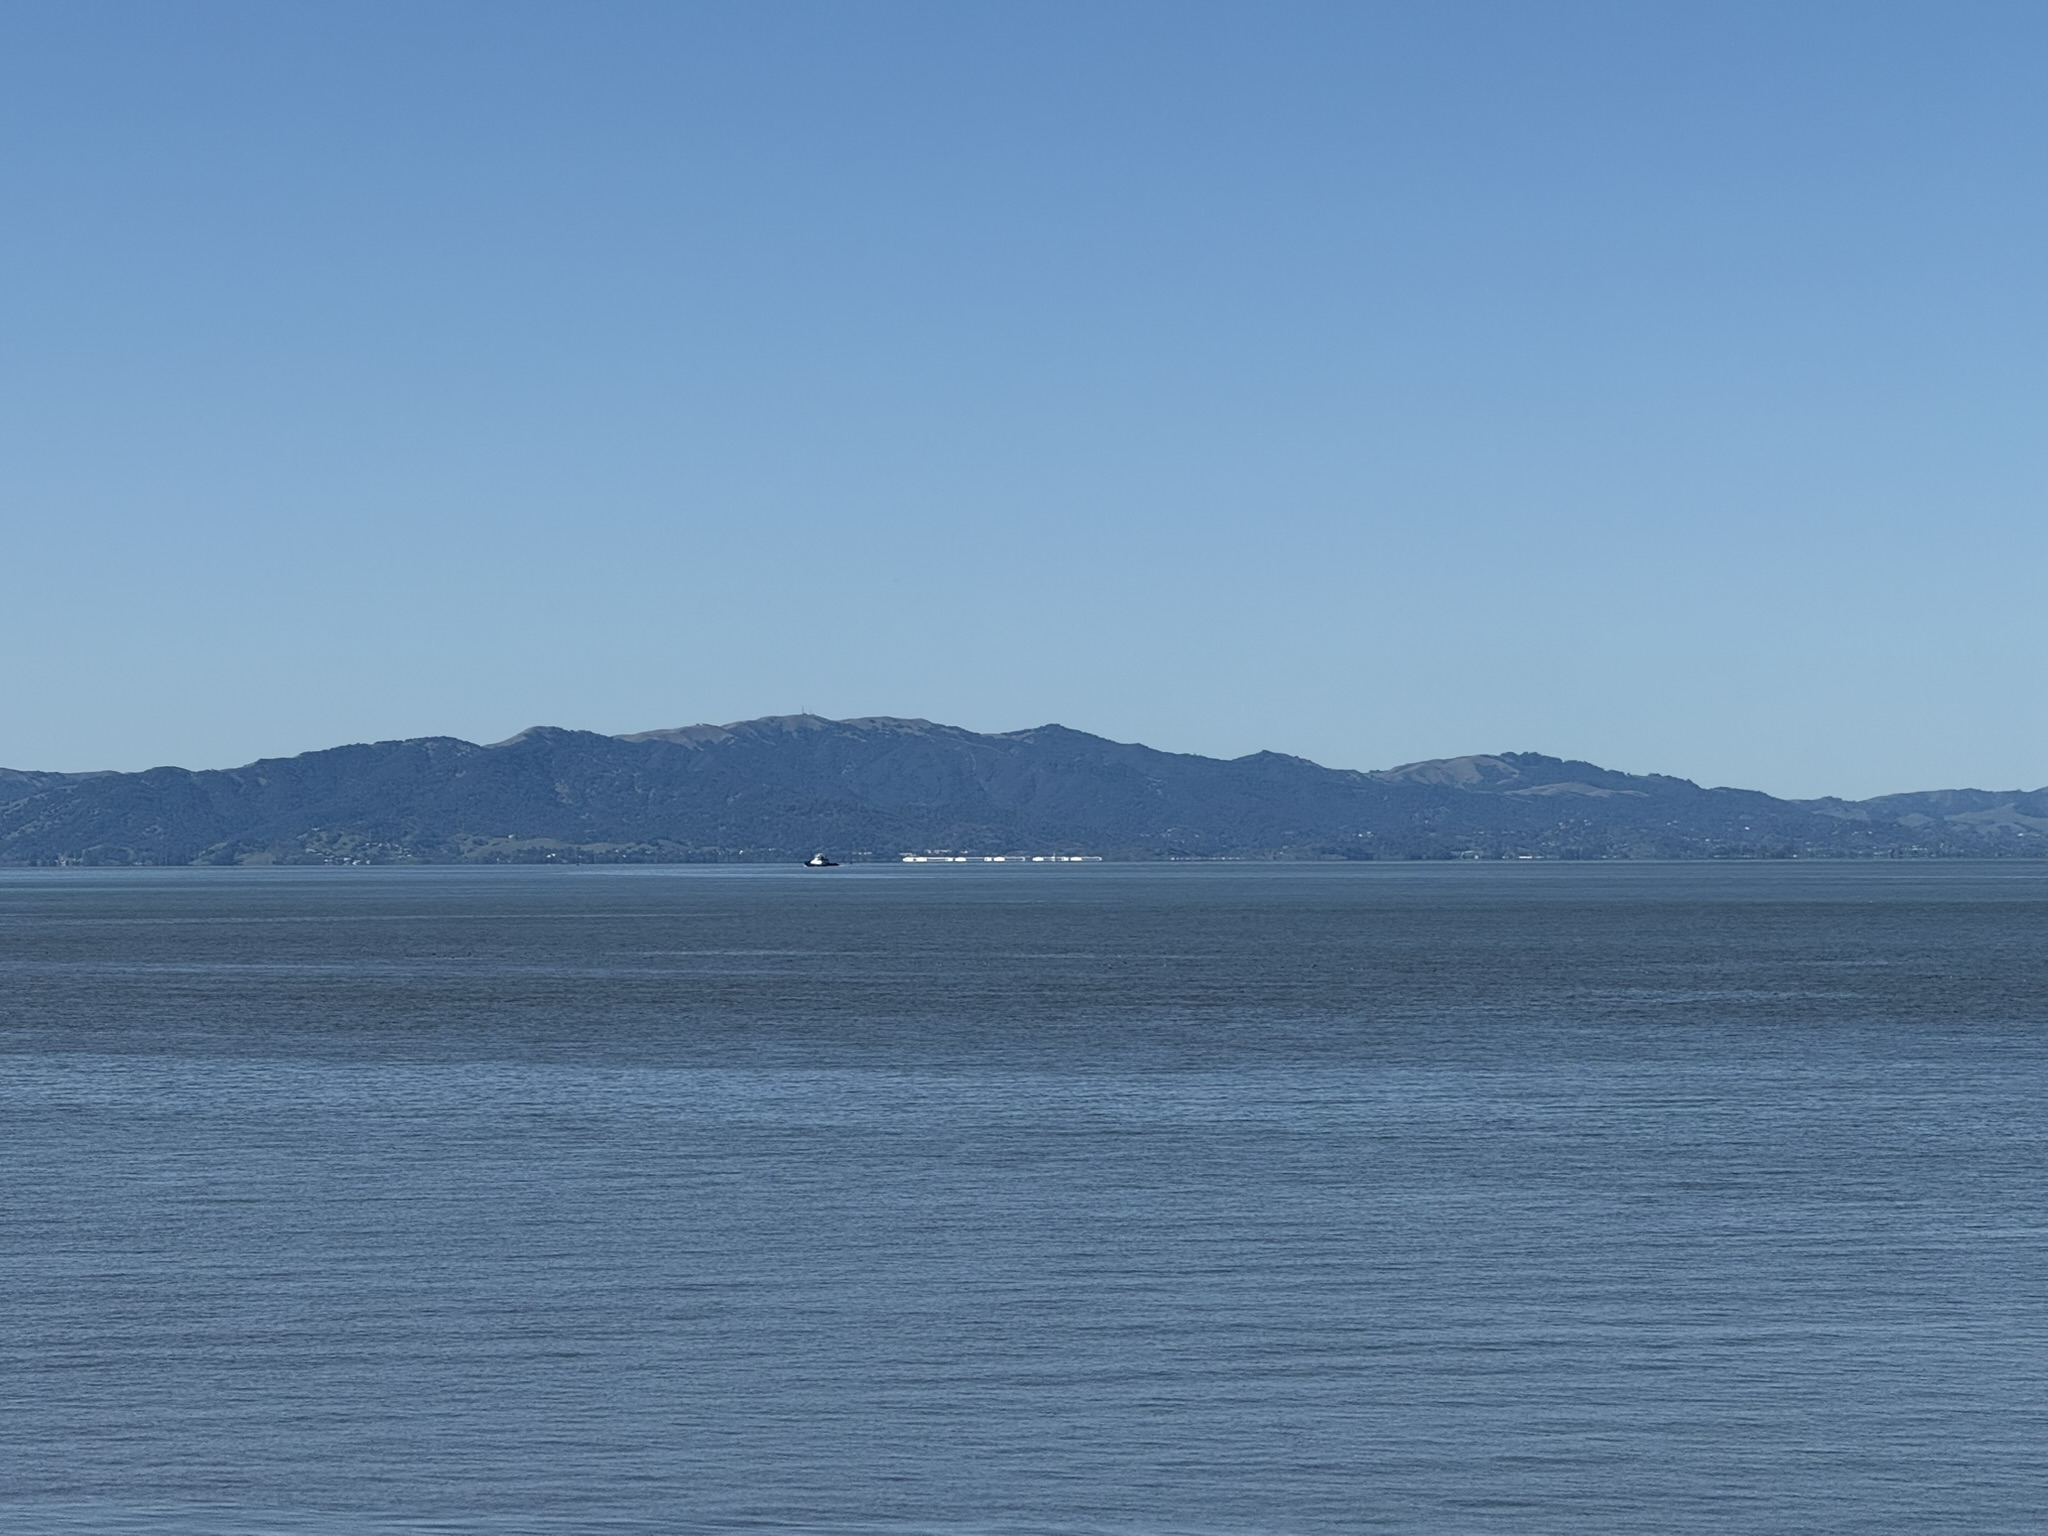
(783, 787)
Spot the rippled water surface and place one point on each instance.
(1431, 1199)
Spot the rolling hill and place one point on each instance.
(779, 788)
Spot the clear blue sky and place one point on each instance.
(1661, 384)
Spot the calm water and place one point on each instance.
(1435, 1199)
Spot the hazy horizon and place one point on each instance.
(509, 736)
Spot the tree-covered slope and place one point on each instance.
(782, 787)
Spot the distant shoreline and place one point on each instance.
(883, 789)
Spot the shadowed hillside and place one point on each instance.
(780, 788)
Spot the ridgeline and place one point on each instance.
(781, 788)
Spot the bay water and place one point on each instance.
(1532, 1198)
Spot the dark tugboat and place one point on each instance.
(819, 861)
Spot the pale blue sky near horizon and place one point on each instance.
(1656, 384)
